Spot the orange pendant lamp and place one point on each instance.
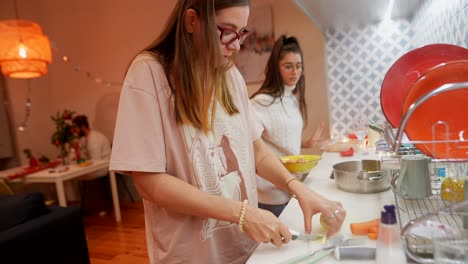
(24, 50)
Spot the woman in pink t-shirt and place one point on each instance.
(186, 132)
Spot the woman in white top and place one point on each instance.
(281, 107)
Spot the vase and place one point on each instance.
(64, 154)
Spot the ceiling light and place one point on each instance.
(24, 49)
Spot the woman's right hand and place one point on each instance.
(263, 226)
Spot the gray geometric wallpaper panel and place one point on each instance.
(441, 21)
(359, 57)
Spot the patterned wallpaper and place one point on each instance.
(358, 57)
(441, 21)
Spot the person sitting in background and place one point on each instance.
(93, 145)
(96, 145)
(281, 107)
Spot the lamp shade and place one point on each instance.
(24, 49)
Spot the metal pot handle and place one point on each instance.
(372, 176)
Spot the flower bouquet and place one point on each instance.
(65, 132)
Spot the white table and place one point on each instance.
(74, 171)
(359, 207)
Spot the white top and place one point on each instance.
(282, 123)
(98, 145)
(148, 138)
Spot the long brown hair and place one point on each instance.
(273, 84)
(193, 78)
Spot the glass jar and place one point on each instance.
(452, 189)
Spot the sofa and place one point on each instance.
(31, 232)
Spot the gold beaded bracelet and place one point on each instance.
(242, 215)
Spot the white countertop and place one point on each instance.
(359, 207)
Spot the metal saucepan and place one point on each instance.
(366, 176)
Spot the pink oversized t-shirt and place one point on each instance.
(147, 138)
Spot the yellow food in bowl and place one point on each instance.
(300, 163)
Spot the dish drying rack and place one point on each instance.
(412, 209)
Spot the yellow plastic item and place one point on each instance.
(85, 163)
(300, 163)
(452, 190)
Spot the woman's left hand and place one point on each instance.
(313, 203)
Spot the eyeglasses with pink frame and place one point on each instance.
(228, 35)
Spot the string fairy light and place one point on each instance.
(89, 75)
(77, 68)
(28, 107)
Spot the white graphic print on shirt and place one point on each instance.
(218, 162)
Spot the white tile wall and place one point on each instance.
(360, 56)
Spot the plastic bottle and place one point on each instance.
(441, 173)
(72, 156)
(389, 244)
(436, 180)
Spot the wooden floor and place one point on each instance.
(109, 242)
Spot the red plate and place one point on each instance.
(407, 69)
(450, 107)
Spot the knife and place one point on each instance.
(301, 236)
(318, 254)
